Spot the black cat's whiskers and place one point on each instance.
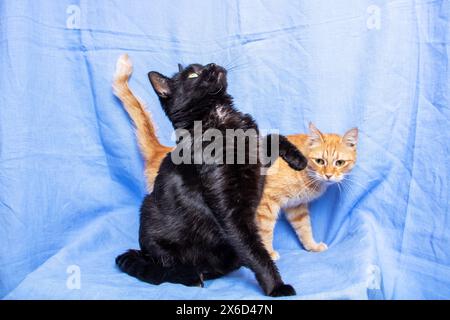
(233, 62)
(238, 67)
(236, 64)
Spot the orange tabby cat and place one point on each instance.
(330, 158)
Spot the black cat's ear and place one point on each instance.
(180, 67)
(160, 84)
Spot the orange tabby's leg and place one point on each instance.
(299, 219)
(266, 217)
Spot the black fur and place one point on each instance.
(199, 221)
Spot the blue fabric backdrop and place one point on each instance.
(71, 176)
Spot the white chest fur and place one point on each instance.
(294, 202)
(221, 112)
(303, 197)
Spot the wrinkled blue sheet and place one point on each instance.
(71, 176)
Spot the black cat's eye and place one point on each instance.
(320, 161)
(339, 163)
(193, 75)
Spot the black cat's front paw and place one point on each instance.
(283, 290)
(296, 160)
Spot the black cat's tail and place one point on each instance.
(287, 151)
(140, 266)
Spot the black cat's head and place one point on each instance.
(191, 91)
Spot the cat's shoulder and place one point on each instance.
(299, 140)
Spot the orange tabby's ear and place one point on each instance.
(350, 138)
(315, 137)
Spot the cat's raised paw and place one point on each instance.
(283, 290)
(318, 247)
(297, 160)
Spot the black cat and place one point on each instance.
(199, 221)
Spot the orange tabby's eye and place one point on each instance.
(320, 162)
(339, 163)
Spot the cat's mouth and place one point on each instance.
(219, 74)
(331, 180)
(326, 180)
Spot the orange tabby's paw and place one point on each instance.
(274, 255)
(317, 247)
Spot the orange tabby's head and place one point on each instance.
(331, 156)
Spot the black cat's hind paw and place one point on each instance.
(126, 258)
(283, 290)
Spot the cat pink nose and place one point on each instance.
(328, 176)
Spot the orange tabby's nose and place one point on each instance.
(328, 176)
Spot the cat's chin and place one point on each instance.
(328, 182)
